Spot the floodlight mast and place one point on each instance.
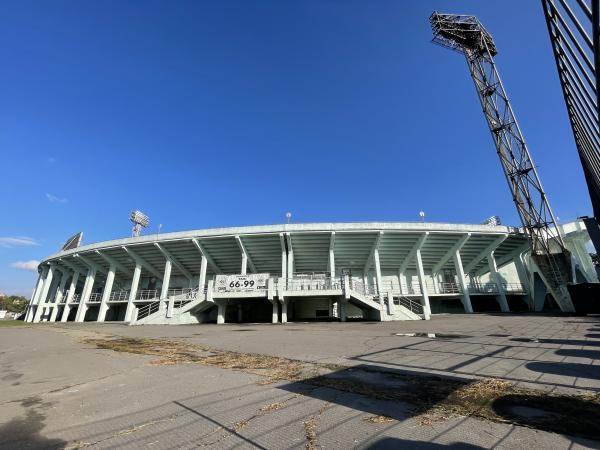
(466, 35)
(139, 220)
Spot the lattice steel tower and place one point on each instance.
(466, 35)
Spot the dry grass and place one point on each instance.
(378, 419)
(430, 398)
(310, 432)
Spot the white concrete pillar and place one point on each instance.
(59, 294)
(331, 264)
(202, 278)
(496, 278)
(423, 286)
(110, 278)
(522, 272)
(164, 291)
(44, 295)
(283, 264)
(290, 265)
(391, 308)
(85, 295)
(135, 282)
(462, 282)
(35, 295)
(221, 309)
(244, 268)
(70, 294)
(436, 283)
(284, 306)
(378, 276)
(275, 318)
(402, 285)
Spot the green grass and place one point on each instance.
(13, 323)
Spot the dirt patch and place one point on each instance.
(378, 419)
(429, 398)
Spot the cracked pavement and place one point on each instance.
(57, 392)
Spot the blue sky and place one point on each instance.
(225, 113)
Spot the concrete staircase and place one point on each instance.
(185, 307)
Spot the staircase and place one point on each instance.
(555, 269)
(409, 308)
(183, 303)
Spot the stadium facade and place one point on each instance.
(297, 272)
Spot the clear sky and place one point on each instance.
(226, 113)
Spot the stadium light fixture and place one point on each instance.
(139, 220)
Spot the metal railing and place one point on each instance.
(146, 310)
(312, 282)
(483, 288)
(448, 288)
(119, 296)
(411, 305)
(514, 288)
(76, 298)
(95, 297)
(146, 294)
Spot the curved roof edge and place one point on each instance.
(293, 227)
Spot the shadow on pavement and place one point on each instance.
(567, 369)
(400, 394)
(395, 443)
(559, 341)
(25, 432)
(575, 353)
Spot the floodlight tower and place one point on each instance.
(466, 35)
(139, 220)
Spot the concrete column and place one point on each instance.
(70, 294)
(331, 264)
(59, 295)
(44, 295)
(284, 306)
(342, 309)
(202, 279)
(290, 265)
(501, 297)
(164, 291)
(423, 286)
(283, 264)
(275, 318)
(436, 283)
(85, 295)
(133, 291)
(378, 276)
(391, 309)
(244, 268)
(110, 278)
(462, 282)
(522, 272)
(403, 286)
(221, 308)
(35, 295)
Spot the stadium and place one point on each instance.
(300, 272)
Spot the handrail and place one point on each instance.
(411, 305)
(76, 298)
(117, 296)
(146, 294)
(312, 282)
(146, 310)
(95, 297)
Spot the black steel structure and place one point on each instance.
(466, 35)
(574, 29)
